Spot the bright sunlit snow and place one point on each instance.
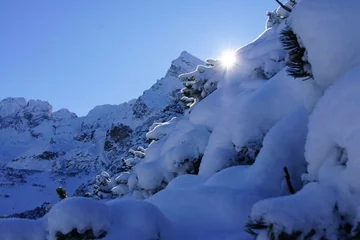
(268, 150)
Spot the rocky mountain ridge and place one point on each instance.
(60, 145)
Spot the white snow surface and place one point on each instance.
(311, 127)
(327, 28)
(119, 219)
(331, 151)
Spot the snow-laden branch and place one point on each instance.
(284, 6)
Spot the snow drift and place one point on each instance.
(257, 154)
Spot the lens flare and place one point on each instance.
(228, 59)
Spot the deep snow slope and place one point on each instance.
(41, 149)
(269, 148)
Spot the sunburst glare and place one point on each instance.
(228, 58)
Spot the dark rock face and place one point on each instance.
(119, 133)
(36, 213)
(140, 109)
(37, 120)
(13, 177)
(28, 116)
(116, 135)
(47, 155)
(108, 145)
(16, 122)
(85, 136)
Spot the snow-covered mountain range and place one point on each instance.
(41, 149)
(268, 149)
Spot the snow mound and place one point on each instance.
(283, 216)
(332, 148)
(117, 219)
(327, 207)
(257, 111)
(327, 28)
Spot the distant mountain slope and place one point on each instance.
(44, 149)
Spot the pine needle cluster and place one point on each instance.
(297, 63)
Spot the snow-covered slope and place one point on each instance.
(59, 148)
(269, 148)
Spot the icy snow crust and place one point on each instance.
(310, 127)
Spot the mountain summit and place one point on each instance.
(183, 64)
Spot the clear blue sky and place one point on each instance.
(77, 54)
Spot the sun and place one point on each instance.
(228, 59)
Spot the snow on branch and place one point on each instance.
(283, 6)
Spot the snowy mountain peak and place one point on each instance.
(9, 106)
(63, 114)
(162, 92)
(185, 54)
(39, 107)
(184, 63)
(156, 98)
(20, 114)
